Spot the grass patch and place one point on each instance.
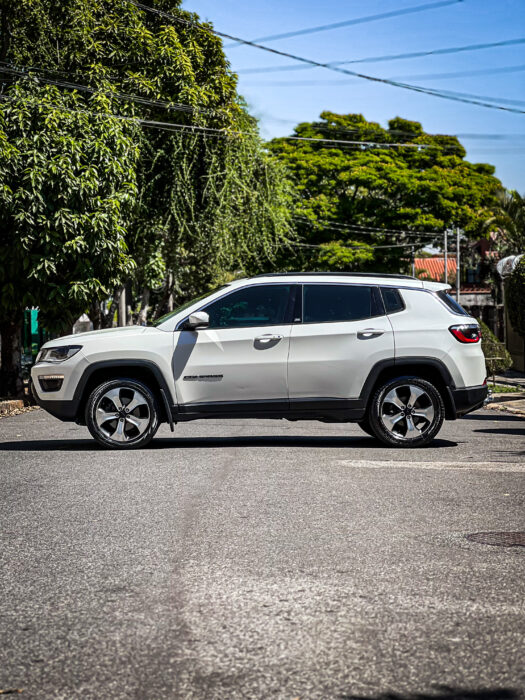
(503, 389)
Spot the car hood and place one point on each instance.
(79, 338)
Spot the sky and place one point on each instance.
(282, 99)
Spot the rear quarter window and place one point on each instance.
(393, 300)
(452, 304)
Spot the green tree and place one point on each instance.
(497, 357)
(200, 205)
(515, 297)
(68, 183)
(349, 189)
(207, 203)
(509, 222)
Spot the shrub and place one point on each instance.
(497, 356)
(515, 297)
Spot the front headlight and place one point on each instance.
(57, 354)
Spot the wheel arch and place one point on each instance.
(141, 370)
(428, 368)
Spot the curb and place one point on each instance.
(507, 407)
(13, 407)
(9, 406)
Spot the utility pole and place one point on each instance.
(446, 256)
(413, 263)
(458, 267)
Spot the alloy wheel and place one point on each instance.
(122, 414)
(407, 412)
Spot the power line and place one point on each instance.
(338, 69)
(505, 100)
(366, 246)
(369, 229)
(340, 129)
(390, 57)
(214, 131)
(446, 94)
(170, 106)
(412, 76)
(462, 74)
(358, 20)
(355, 144)
(22, 71)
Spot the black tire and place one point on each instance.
(366, 427)
(112, 424)
(406, 412)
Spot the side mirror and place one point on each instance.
(196, 320)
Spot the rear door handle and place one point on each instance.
(370, 332)
(268, 337)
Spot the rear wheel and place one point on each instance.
(122, 414)
(406, 412)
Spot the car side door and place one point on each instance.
(343, 332)
(241, 357)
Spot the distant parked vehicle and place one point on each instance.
(393, 353)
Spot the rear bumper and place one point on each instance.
(469, 399)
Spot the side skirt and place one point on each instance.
(322, 409)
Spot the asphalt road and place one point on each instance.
(261, 559)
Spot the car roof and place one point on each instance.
(331, 277)
(385, 279)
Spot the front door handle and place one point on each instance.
(370, 332)
(268, 337)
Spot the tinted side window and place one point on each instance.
(325, 303)
(260, 305)
(393, 300)
(452, 303)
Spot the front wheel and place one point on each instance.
(406, 412)
(122, 414)
(366, 427)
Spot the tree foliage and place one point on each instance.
(515, 297)
(206, 203)
(427, 188)
(68, 185)
(509, 222)
(94, 199)
(497, 357)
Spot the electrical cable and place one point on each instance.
(369, 229)
(174, 106)
(418, 76)
(338, 69)
(390, 57)
(171, 106)
(213, 131)
(358, 20)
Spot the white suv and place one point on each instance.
(393, 353)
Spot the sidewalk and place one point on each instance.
(511, 378)
(513, 403)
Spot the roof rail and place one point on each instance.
(337, 274)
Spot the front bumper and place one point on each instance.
(65, 410)
(469, 399)
(62, 403)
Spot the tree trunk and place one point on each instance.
(168, 290)
(11, 385)
(144, 307)
(95, 315)
(108, 321)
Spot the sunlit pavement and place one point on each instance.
(256, 559)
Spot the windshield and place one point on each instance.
(187, 305)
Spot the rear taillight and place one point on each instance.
(466, 333)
